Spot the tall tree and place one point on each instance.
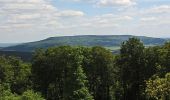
(152, 61)
(164, 59)
(78, 84)
(132, 68)
(98, 66)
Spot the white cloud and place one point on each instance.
(108, 3)
(68, 13)
(35, 12)
(148, 19)
(37, 19)
(32, 18)
(101, 21)
(156, 15)
(116, 3)
(158, 9)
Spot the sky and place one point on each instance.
(32, 20)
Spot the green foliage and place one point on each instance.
(31, 95)
(6, 94)
(116, 91)
(16, 73)
(165, 59)
(152, 60)
(89, 73)
(58, 75)
(132, 68)
(158, 88)
(80, 91)
(138, 64)
(98, 66)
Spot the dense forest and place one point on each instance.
(89, 73)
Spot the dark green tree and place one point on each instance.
(152, 61)
(98, 66)
(164, 62)
(56, 73)
(78, 86)
(133, 69)
(15, 73)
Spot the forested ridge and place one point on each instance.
(109, 41)
(89, 73)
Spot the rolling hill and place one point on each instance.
(2, 45)
(109, 41)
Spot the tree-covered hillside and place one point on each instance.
(89, 73)
(109, 41)
(83, 73)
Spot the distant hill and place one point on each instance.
(2, 45)
(168, 39)
(109, 41)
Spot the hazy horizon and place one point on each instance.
(16, 43)
(32, 20)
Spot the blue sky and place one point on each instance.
(31, 20)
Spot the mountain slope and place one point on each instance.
(87, 40)
(2, 45)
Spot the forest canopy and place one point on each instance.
(89, 73)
